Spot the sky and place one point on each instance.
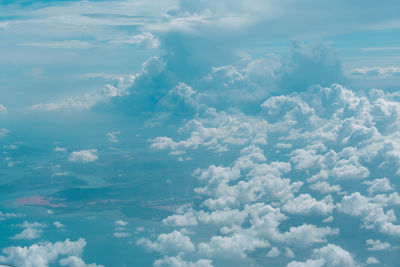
(199, 133)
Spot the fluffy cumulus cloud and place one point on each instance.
(330, 255)
(45, 253)
(376, 245)
(31, 231)
(283, 154)
(83, 156)
(323, 139)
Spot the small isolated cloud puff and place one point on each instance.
(58, 225)
(377, 245)
(83, 156)
(3, 109)
(60, 149)
(112, 136)
(121, 223)
(3, 132)
(31, 231)
(372, 260)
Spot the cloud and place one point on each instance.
(329, 256)
(325, 187)
(146, 39)
(371, 211)
(120, 231)
(121, 234)
(179, 262)
(376, 72)
(372, 260)
(8, 215)
(3, 110)
(175, 241)
(44, 253)
(3, 132)
(60, 149)
(121, 223)
(31, 231)
(216, 131)
(84, 102)
(112, 136)
(379, 186)
(377, 245)
(273, 252)
(83, 156)
(58, 225)
(68, 44)
(74, 261)
(305, 204)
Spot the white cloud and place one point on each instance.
(3, 132)
(307, 235)
(186, 219)
(121, 234)
(3, 109)
(31, 231)
(58, 225)
(216, 131)
(84, 102)
(376, 72)
(179, 262)
(121, 223)
(68, 44)
(377, 245)
(329, 256)
(289, 253)
(379, 186)
(8, 215)
(236, 245)
(325, 187)
(336, 138)
(372, 260)
(175, 241)
(60, 149)
(146, 39)
(44, 253)
(273, 252)
(328, 219)
(112, 136)
(83, 156)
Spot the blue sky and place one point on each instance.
(199, 133)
